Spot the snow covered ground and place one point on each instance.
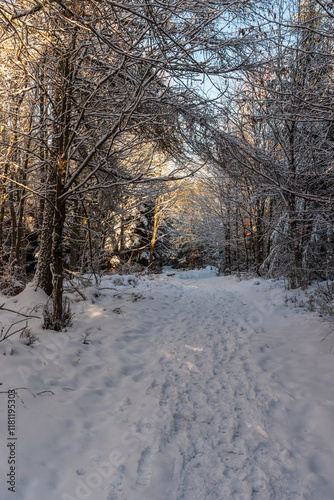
(182, 387)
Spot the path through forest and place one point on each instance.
(188, 387)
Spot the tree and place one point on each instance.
(274, 140)
(106, 75)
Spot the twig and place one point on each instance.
(19, 389)
(26, 389)
(13, 333)
(2, 308)
(7, 334)
(83, 296)
(106, 288)
(328, 334)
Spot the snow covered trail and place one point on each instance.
(218, 442)
(188, 387)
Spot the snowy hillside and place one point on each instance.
(182, 386)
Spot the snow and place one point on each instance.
(189, 386)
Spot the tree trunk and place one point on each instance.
(58, 236)
(10, 153)
(43, 274)
(3, 206)
(49, 273)
(21, 200)
(75, 236)
(155, 229)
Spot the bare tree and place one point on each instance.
(105, 75)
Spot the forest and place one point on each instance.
(165, 132)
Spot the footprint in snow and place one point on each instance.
(116, 491)
(145, 466)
